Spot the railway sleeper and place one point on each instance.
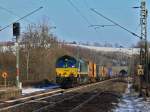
(82, 104)
(52, 105)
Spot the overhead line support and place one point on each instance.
(115, 23)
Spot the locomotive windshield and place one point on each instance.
(66, 62)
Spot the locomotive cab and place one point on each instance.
(66, 71)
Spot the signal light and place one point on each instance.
(16, 29)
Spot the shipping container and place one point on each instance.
(83, 71)
(103, 72)
(92, 72)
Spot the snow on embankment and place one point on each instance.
(128, 51)
(38, 89)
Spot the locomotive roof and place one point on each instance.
(66, 56)
(74, 58)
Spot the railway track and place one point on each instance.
(69, 104)
(72, 99)
(5, 105)
(78, 103)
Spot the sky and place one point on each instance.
(72, 21)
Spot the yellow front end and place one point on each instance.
(66, 72)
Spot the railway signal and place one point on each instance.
(16, 32)
(16, 29)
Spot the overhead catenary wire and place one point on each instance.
(22, 18)
(78, 11)
(94, 19)
(81, 14)
(88, 7)
(12, 13)
(9, 11)
(100, 25)
(98, 13)
(86, 4)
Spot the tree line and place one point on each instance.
(39, 50)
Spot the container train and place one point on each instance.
(71, 71)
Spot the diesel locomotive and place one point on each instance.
(71, 71)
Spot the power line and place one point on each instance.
(94, 19)
(9, 11)
(86, 3)
(78, 11)
(98, 13)
(100, 25)
(12, 13)
(88, 7)
(81, 14)
(22, 18)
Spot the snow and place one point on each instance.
(132, 103)
(128, 51)
(33, 89)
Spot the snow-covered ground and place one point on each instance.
(132, 103)
(33, 89)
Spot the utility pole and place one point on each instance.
(143, 22)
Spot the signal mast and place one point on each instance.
(144, 55)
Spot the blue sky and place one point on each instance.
(70, 25)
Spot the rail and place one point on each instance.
(43, 96)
